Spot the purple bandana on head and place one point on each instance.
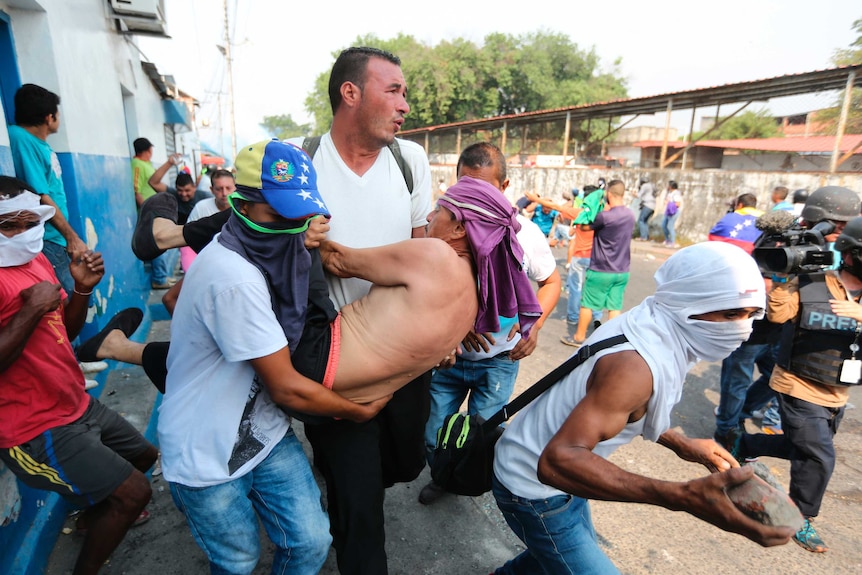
(504, 288)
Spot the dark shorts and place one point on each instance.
(84, 461)
(316, 357)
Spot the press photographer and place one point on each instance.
(818, 356)
(789, 246)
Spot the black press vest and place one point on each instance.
(815, 346)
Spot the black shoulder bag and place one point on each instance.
(464, 454)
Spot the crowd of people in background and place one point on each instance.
(265, 334)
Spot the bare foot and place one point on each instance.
(118, 347)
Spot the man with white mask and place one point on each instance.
(53, 435)
(552, 458)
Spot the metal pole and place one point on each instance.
(842, 121)
(229, 82)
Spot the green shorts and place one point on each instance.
(604, 290)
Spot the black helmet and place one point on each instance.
(800, 196)
(851, 236)
(831, 203)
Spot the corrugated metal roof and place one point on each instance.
(811, 144)
(756, 90)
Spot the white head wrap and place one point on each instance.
(705, 277)
(25, 201)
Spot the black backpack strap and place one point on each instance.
(311, 143)
(535, 390)
(395, 148)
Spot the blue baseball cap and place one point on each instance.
(284, 175)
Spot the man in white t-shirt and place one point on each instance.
(228, 450)
(552, 458)
(487, 368)
(366, 191)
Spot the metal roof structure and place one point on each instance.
(799, 145)
(755, 90)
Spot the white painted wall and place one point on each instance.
(72, 48)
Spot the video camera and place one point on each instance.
(786, 247)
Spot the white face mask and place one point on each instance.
(21, 248)
(715, 340)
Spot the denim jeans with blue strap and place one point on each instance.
(282, 492)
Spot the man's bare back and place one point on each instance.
(423, 302)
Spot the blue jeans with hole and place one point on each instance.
(643, 222)
(668, 225)
(59, 259)
(164, 266)
(558, 533)
(282, 493)
(737, 371)
(489, 383)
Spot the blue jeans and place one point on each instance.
(60, 261)
(737, 371)
(574, 289)
(281, 491)
(643, 222)
(667, 226)
(164, 265)
(561, 233)
(558, 533)
(488, 381)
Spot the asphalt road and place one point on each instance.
(467, 535)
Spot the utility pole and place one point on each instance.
(226, 52)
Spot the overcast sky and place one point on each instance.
(279, 47)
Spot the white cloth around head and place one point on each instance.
(26, 201)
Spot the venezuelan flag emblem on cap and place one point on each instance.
(284, 175)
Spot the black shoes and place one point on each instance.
(163, 205)
(431, 493)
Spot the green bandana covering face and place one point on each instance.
(271, 227)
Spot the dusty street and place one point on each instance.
(466, 535)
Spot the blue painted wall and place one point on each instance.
(99, 192)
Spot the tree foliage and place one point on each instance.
(456, 80)
(283, 126)
(830, 116)
(749, 124)
(852, 55)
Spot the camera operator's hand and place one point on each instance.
(847, 308)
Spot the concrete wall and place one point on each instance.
(706, 193)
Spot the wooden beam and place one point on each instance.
(691, 144)
(661, 160)
(842, 121)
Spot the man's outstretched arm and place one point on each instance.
(155, 180)
(619, 389)
(288, 387)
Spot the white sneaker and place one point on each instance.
(90, 383)
(93, 366)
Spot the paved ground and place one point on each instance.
(467, 535)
